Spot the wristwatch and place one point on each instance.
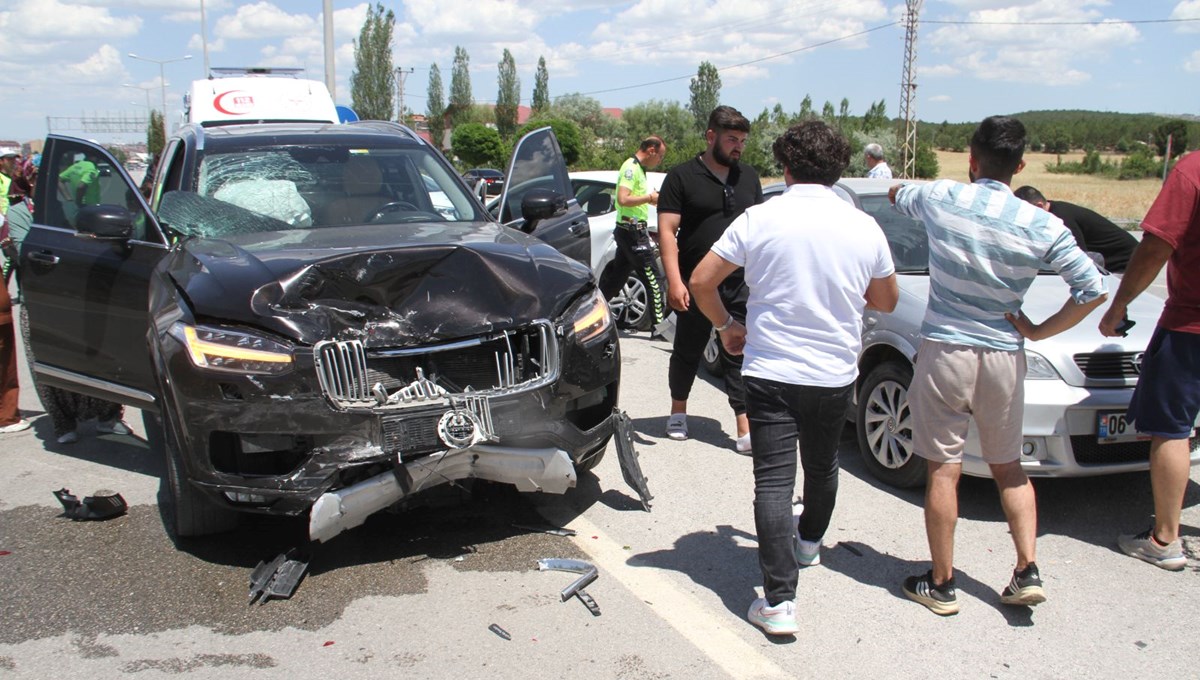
(725, 326)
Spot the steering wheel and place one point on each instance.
(394, 206)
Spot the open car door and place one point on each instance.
(538, 163)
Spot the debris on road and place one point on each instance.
(588, 574)
(278, 578)
(101, 505)
(546, 530)
(495, 628)
(627, 456)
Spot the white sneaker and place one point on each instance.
(677, 426)
(18, 426)
(68, 438)
(808, 553)
(112, 427)
(777, 620)
(743, 445)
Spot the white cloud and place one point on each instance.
(197, 45)
(1010, 45)
(940, 98)
(263, 20)
(1187, 9)
(1192, 64)
(34, 20)
(937, 71)
(504, 20)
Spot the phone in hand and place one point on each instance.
(1122, 328)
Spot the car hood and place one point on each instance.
(376, 283)
(1046, 296)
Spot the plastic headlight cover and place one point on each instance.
(1039, 367)
(224, 349)
(591, 317)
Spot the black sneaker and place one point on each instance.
(1025, 588)
(940, 600)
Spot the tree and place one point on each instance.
(154, 134)
(806, 109)
(508, 97)
(477, 145)
(1177, 130)
(843, 114)
(706, 94)
(876, 116)
(669, 120)
(461, 98)
(827, 112)
(435, 107)
(374, 80)
(541, 88)
(925, 162)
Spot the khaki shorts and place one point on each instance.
(952, 383)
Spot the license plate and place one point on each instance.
(1112, 427)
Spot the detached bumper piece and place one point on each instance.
(101, 505)
(588, 574)
(627, 456)
(277, 579)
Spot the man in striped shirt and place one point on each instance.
(986, 246)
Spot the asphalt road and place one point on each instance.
(413, 593)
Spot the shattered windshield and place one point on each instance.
(317, 187)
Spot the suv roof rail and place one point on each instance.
(390, 126)
(254, 71)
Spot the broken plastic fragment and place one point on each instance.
(627, 456)
(500, 631)
(278, 578)
(102, 504)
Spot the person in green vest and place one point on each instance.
(80, 182)
(634, 199)
(8, 166)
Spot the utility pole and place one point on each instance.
(401, 75)
(330, 74)
(908, 90)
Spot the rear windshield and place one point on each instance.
(318, 187)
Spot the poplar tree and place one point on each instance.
(706, 94)
(435, 107)
(541, 88)
(374, 80)
(508, 98)
(461, 99)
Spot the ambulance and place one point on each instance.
(231, 96)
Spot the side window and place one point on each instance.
(906, 237)
(76, 176)
(169, 173)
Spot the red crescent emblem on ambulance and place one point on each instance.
(233, 103)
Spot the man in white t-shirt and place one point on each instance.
(813, 263)
(877, 167)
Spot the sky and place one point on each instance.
(64, 60)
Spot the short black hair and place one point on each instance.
(728, 118)
(813, 152)
(651, 142)
(1029, 194)
(998, 146)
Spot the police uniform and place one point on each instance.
(634, 249)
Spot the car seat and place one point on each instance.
(362, 181)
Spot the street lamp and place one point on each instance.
(162, 79)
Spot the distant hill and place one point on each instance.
(1099, 129)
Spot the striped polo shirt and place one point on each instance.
(985, 248)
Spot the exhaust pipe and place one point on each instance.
(549, 470)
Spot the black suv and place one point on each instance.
(324, 318)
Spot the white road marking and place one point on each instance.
(709, 634)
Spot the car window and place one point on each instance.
(597, 198)
(77, 176)
(536, 164)
(315, 187)
(906, 237)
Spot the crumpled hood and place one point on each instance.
(440, 282)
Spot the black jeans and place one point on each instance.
(692, 330)
(781, 415)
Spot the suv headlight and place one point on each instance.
(590, 317)
(1038, 367)
(223, 349)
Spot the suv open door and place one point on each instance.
(84, 270)
(537, 164)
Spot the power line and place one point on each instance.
(1057, 23)
(744, 63)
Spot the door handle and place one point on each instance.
(578, 228)
(44, 258)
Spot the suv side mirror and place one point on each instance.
(108, 222)
(541, 204)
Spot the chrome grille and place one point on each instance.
(1110, 365)
(342, 371)
(501, 363)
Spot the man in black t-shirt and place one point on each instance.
(697, 202)
(1093, 232)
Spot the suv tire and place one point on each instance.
(884, 426)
